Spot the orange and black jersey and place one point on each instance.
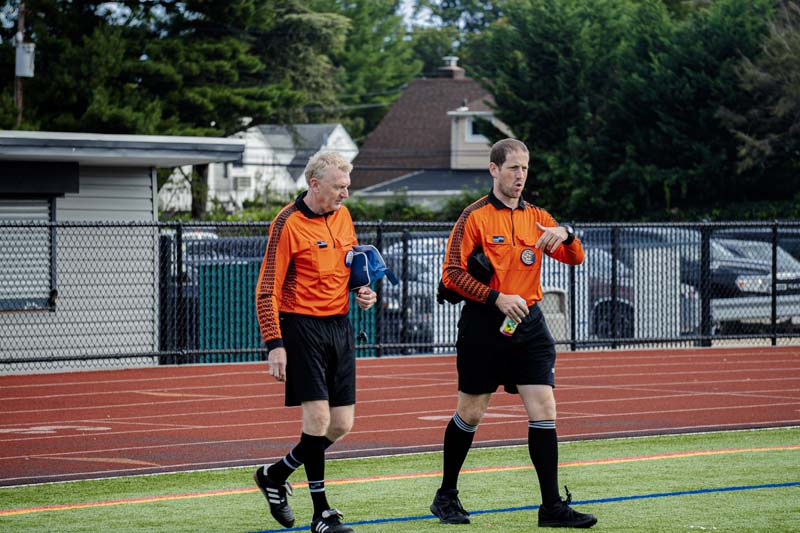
(508, 239)
(304, 270)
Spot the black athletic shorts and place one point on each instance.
(320, 359)
(487, 359)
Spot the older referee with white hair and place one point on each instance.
(302, 300)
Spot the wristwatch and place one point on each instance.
(570, 234)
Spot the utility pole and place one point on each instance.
(20, 38)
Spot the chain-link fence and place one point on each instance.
(91, 295)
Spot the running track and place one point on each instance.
(57, 427)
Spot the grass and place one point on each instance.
(617, 475)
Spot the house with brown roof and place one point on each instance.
(428, 145)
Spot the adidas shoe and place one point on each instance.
(330, 522)
(447, 507)
(560, 514)
(276, 498)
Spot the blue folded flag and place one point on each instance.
(367, 265)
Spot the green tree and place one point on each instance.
(618, 101)
(80, 59)
(452, 28)
(690, 79)
(194, 67)
(468, 16)
(768, 130)
(374, 64)
(432, 43)
(217, 62)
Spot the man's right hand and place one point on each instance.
(513, 306)
(277, 363)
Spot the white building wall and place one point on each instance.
(106, 193)
(106, 277)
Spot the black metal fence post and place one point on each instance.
(774, 285)
(181, 307)
(379, 335)
(573, 309)
(614, 287)
(705, 285)
(404, 303)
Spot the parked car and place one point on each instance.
(224, 266)
(410, 312)
(741, 282)
(740, 273)
(625, 308)
(788, 237)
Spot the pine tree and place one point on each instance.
(195, 67)
(375, 63)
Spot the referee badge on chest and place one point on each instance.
(527, 256)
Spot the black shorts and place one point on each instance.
(320, 359)
(487, 359)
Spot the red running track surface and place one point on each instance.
(109, 423)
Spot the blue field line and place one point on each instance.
(581, 502)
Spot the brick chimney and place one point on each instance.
(451, 68)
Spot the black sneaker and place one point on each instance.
(330, 522)
(447, 507)
(560, 514)
(276, 498)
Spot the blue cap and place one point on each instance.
(367, 265)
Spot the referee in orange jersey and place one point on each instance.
(514, 235)
(302, 301)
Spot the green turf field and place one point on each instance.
(733, 481)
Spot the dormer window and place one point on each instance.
(472, 132)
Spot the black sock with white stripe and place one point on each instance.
(457, 442)
(315, 471)
(543, 449)
(280, 471)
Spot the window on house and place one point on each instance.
(27, 254)
(242, 183)
(473, 132)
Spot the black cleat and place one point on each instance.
(447, 507)
(276, 498)
(330, 522)
(560, 514)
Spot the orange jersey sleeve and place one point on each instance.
(462, 242)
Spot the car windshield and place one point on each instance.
(761, 251)
(720, 252)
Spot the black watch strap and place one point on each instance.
(570, 235)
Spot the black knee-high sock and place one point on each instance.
(314, 449)
(457, 441)
(280, 471)
(543, 449)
